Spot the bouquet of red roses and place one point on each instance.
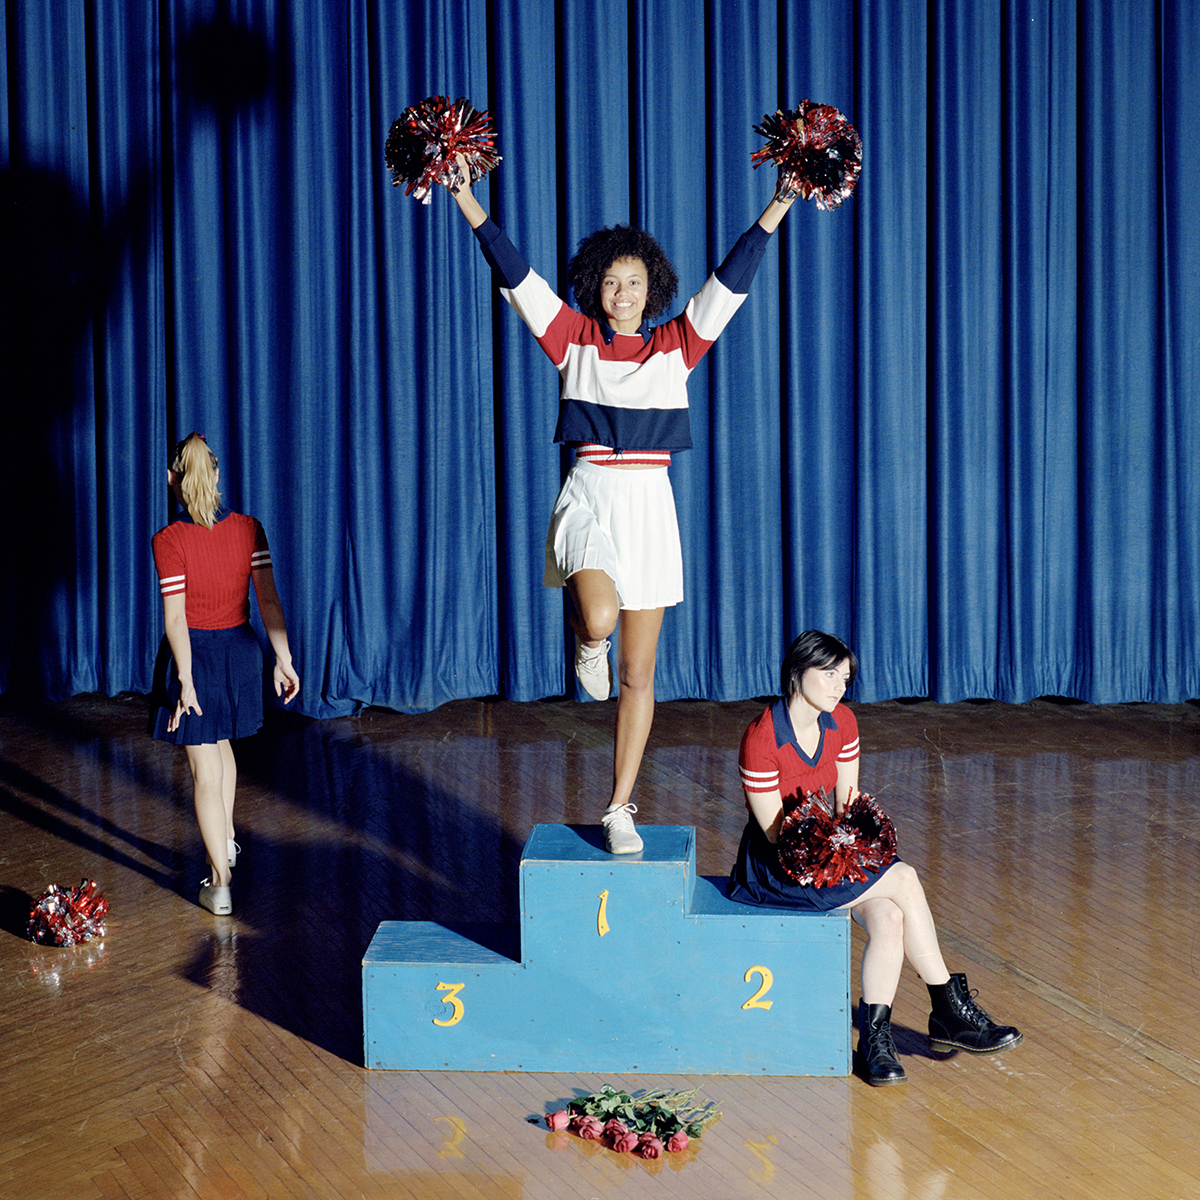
(645, 1123)
(817, 849)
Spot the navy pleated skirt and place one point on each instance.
(757, 878)
(227, 669)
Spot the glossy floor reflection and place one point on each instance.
(193, 1056)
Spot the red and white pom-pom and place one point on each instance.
(818, 151)
(425, 142)
(816, 851)
(66, 917)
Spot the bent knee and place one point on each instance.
(598, 620)
(884, 918)
(902, 875)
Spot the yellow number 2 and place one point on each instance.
(452, 999)
(757, 1001)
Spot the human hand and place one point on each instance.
(458, 184)
(187, 703)
(287, 682)
(459, 179)
(787, 186)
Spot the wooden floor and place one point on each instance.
(192, 1056)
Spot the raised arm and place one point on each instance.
(465, 198)
(784, 198)
(781, 202)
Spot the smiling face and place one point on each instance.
(623, 290)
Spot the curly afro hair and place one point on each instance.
(598, 251)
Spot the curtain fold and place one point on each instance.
(955, 421)
(1035, 639)
(891, 499)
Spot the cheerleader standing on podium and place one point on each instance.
(613, 541)
(211, 677)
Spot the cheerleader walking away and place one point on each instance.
(806, 742)
(613, 541)
(211, 688)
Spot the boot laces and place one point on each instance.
(970, 1011)
(879, 1038)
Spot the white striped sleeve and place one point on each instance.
(759, 781)
(849, 752)
(260, 559)
(170, 585)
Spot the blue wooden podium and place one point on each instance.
(628, 964)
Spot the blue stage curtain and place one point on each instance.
(956, 421)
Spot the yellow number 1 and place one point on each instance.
(452, 999)
(602, 915)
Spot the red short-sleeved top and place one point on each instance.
(211, 567)
(771, 760)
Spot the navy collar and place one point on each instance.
(785, 735)
(609, 333)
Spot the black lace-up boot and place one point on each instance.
(958, 1023)
(876, 1051)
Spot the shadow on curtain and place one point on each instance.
(954, 423)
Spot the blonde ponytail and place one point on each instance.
(196, 466)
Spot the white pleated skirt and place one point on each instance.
(622, 523)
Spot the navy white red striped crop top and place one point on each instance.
(624, 390)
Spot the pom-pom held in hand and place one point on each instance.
(815, 850)
(68, 916)
(818, 151)
(426, 141)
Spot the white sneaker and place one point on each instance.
(593, 669)
(234, 851)
(218, 900)
(620, 837)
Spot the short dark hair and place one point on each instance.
(813, 649)
(598, 251)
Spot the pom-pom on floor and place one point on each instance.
(198, 1058)
(68, 916)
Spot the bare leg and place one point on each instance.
(594, 605)
(883, 955)
(228, 784)
(638, 650)
(208, 771)
(896, 917)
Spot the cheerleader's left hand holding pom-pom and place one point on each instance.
(819, 153)
(440, 141)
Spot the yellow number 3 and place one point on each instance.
(757, 1001)
(452, 999)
